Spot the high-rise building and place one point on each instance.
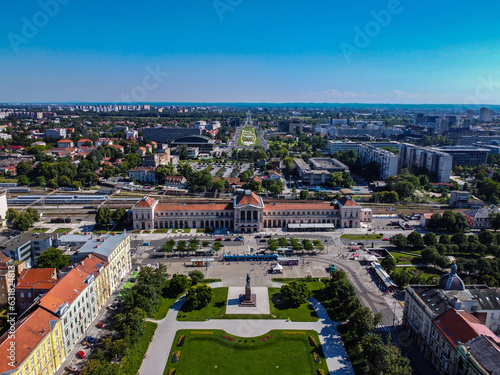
(470, 114)
(437, 163)
(386, 160)
(485, 115)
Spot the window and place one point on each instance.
(22, 294)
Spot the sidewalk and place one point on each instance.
(157, 355)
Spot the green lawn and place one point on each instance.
(280, 353)
(401, 258)
(62, 230)
(165, 305)
(163, 230)
(40, 230)
(249, 135)
(362, 236)
(278, 310)
(138, 350)
(425, 272)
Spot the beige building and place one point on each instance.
(247, 213)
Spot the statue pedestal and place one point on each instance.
(248, 299)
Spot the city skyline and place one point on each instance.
(384, 52)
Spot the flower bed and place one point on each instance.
(180, 342)
(228, 338)
(312, 341)
(172, 371)
(320, 371)
(317, 358)
(176, 357)
(265, 338)
(201, 333)
(294, 333)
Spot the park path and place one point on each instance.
(158, 352)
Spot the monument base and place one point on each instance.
(250, 302)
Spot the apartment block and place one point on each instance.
(33, 283)
(38, 345)
(73, 301)
(386, 160)
(436, 162)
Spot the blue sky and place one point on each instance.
(251, 51)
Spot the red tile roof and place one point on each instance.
(245, 198)
(30, 331)
(462, 326)
(67, 290)
(37, 278)
(348, 202)
(145, 202)
(92, 264)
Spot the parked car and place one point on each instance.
(71, 368)
(146, 244)
(218, 239)
(88, 339)
(132, 280)
(258, 236)
(100, 325)
(385, 239)
(227, 239)
(352, 243)
(81, 354)
(238, 239)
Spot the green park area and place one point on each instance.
(217, 352)
(62, 230)
(128, 285)
(248, 137)
(279, 309)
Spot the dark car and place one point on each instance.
(258, 236)
(132, 280)
(227, 239)
(89, 339)
(268, 236)
(262, 241)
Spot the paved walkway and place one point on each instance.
(157, 355)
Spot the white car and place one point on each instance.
(352, 243)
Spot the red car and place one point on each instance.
(100, 325)
(218, 239)
(385, 239)
(81, 354)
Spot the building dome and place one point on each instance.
(451, 281)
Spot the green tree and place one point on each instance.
(168, 246)
(162, 171)
(282, 242)
(178, 284)
(53, 258)
(495, 221)
(415, 240)
(199, 296)
(193, 244)
(362, 322)
(304, 194)
(103, 216)
(307, 245)
(272, 244)
(430, 239)
(216, 246)
(459, 238)
(295, 293)
(11, 215)
(295, 243)
(399, 240)
(318, 245)
(388, 264)
(196, 277)
(181, 245)
(120, 216)
(486, 238)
